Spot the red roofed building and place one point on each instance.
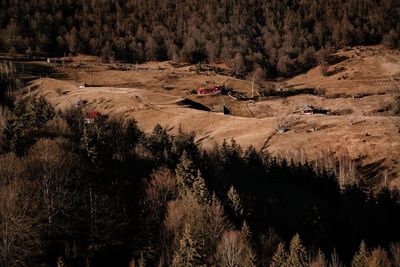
(209, 91)
(91, 116)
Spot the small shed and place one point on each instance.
(91, 116)
(82, 85)
(307, 109)
(282, 129)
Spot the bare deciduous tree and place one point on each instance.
(18, 231)
(52, 169)
(11, 168)
(161, 189)
(230, 248)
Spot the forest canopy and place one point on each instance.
(104, 193)
(283, 37)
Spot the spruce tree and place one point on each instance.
(42, 111)
(235, 202)
(186, 255)
(249, 256)
(297, 254)
(13, 139)
(361, 257)
(185, 174)
(133, 133)
(280, 257)
(200, 190)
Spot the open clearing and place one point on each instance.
(357, 96)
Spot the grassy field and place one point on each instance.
(356, 92)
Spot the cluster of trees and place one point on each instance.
(105, 193)
(280, 36)
(8, 81)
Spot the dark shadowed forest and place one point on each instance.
(282, 37)
(104, 193)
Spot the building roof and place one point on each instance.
(92, 114)
(212, 90)
(308, 108)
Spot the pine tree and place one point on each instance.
(361, 257)
(42, 111)
(185, 174)
(133, 133)
(200, 190)
(13, 139)
(249, 256)
(280, 257)
(159, 143)
(234, 201)
(186, 255)
(297, 254)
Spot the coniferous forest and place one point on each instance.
(282, 37)
(107, 194)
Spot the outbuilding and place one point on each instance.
(307, 109)
(91, 116)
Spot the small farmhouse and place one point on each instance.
(91, 116)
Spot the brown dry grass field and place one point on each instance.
(358, 94)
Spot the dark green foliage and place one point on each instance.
(279, 36)
(13, 140)
(159, 143)
(185, 174)
(97, 206)
(133, 134)
(25, 123)
(293, 198)
(42, 111)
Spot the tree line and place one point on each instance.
(105, 193)
(282, 37)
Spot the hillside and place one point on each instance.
(282, 37)
(359, 125)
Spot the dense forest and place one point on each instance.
(103, 193)
(282, 37)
